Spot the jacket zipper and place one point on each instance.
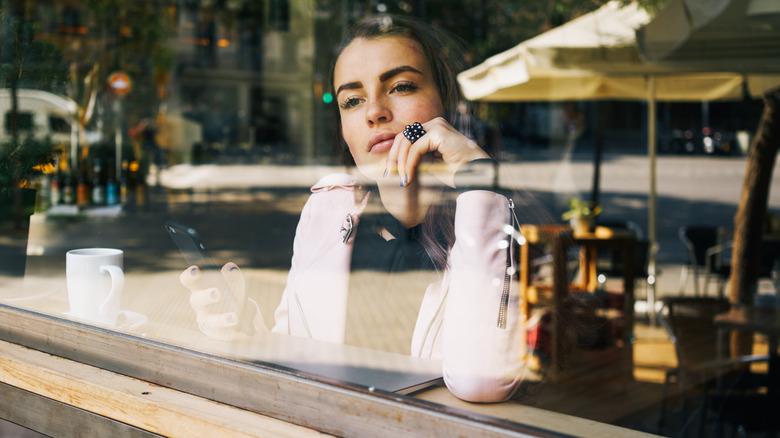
(504, 304)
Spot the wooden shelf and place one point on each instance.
(553, 293)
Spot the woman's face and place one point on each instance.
(382, 85)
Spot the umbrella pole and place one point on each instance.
(597, 155)
(651, 201)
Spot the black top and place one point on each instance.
(383, 244)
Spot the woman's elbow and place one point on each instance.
(484, 386)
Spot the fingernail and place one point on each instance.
(214, 294)
(193, 271)
(384, 175)
(230, 318)
(406, 179)
(233, 268)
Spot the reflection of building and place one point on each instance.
(246, 75)
(243, 70)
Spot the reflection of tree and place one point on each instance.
(131, 37)
(752, 208)
(31, 64)
(493, 26)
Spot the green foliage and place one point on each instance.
(26, 63)
(651, 6)
(580, 209)
(21, 163)
(33, 64)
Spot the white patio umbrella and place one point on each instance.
(741, 36)
(596, 56)
(728, 35)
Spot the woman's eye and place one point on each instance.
(350, 103)
(404, 87)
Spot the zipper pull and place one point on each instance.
(346, 229)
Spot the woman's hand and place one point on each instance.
(207, 298)
(442, 147)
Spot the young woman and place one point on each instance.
(398, 101)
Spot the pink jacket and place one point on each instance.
(469, 319)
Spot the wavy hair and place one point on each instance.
(446, 57)
(444, 52)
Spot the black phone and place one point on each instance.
(195, 253)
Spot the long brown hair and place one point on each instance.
(444, 52)
(446, 56)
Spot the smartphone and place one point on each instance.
(195, 253)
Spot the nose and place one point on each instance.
(378, 112)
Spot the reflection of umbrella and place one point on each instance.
(742, 36)
(717, 35)
(596, 57)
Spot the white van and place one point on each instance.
(42, 113)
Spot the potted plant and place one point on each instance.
(580, 215)
(20, 164)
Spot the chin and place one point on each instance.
(370, 171)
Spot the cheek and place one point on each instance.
(426, 109)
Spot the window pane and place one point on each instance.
(153, 136)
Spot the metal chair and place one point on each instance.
(689, 323)
(707, 253)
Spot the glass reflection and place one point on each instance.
(224, 117)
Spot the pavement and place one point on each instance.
(248, 213)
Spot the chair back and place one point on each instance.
(770, 256)
(689, 322)
(611, 261)
(698, 239)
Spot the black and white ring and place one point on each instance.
(413, 132)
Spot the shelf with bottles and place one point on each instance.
(90, 190)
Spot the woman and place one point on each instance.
(398, 99)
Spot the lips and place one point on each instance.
(380, 142)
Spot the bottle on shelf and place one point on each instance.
(68, 190)
(112, 189)
(98, 189)
(123, 183)
(56, 185)
(83, 192)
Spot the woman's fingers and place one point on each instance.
(190, 277)
(440, 142)
(405, 153)
(220, 303)
(235, 280)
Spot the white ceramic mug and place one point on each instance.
(95, 283)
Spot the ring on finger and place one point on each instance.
(413, 132)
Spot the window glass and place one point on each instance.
(160, 135)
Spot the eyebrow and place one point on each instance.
(382, 78)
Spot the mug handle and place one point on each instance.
(117, 284)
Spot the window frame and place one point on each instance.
(310, 401)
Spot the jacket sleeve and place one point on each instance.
(483, 339)
(314, 302)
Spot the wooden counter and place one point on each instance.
(76, 378)
(131, 405)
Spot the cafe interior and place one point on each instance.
(158, 135)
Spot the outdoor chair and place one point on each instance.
(689, 323)
(610, 262)
(707, 258)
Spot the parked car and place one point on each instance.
(704, 141)
(41, 113)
